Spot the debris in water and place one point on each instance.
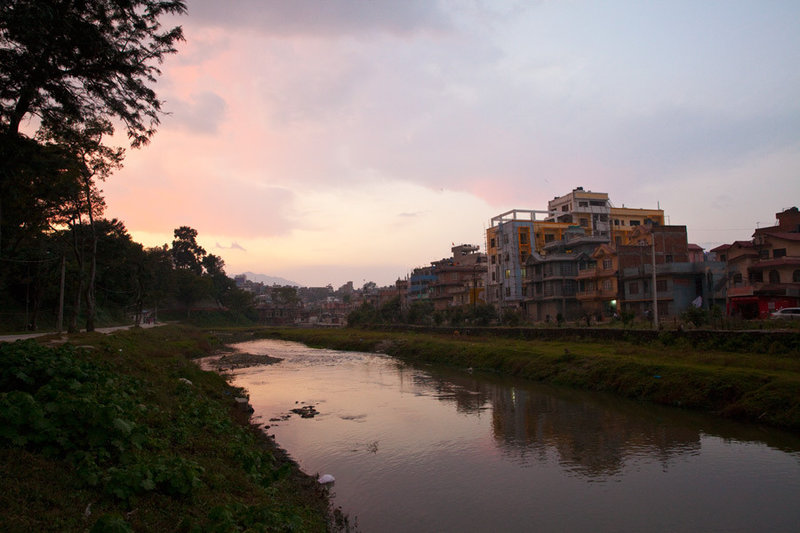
(306, 411)
(327, 478)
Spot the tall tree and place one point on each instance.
(67, 64)
(186, 253)
(72, 62)
(93, 161)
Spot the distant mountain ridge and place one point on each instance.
(269, 280)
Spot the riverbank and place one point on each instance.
(755, 386)
(124, 432)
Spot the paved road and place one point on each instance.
(23, 336)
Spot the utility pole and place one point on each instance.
(655, 291)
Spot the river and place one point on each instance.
(431, 449)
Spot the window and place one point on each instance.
(583, 204)
(523, 256)
(737, 278)
(491, 243)
(778, 253)
(635, 222)
(723, 257)
(774, 276)
(616, 222)
(523, 237)
(607, 264)
(508, 273)
(608, 285)
(597, 203)
(494, 277)
(796, 276)
(505, 258)
(505, 239)
(584, 222)
(565, 208)
(508, 291)
(756, 277)
(523, 273)
(603, 217)
(763, 254)
(549, 237)
(524, 290)
(668, 258)
(661, 285)
(633, 287)
(494, 259)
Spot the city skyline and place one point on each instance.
(343, 141)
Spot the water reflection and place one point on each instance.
(592, 434)
(432, 449)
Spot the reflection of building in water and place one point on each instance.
(589, 437)
(463, 391)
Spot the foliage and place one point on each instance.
(52, 401)
(696, 316)
(483, 314)
(511, 317)
(364, 315)
(150, 451)
(391, 312)
(70, 71)
(186, 253)
(71, 63)
(420, 312)
(286, 295)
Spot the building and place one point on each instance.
(624, 220)
(419, 284)
(515, 235)
(589, 210)
(763, 275)
(460, 278)
(679, 282)
(552, 285)
(508, 245)
(598, 283)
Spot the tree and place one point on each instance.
(71, 65)
(92, 161)
(286, 295)
(190, 288)
(221, 284)
(186, 253)
(68, 62)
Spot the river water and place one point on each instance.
(431, 449)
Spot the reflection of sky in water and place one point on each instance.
(439, 450)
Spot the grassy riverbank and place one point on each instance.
(754, 386)
(124, 432)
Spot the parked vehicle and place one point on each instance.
(792, 313)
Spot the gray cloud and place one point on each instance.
(321, 17)
(202, 114)
(233, 246)
(678, 139)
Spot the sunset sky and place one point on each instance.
(333, 140)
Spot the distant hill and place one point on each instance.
(269, 280)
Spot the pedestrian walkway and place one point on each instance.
(23, 336)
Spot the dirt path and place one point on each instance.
(23, 336)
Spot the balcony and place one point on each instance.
(598, 294)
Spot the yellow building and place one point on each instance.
(625, 219)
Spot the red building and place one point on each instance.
(763, 275)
